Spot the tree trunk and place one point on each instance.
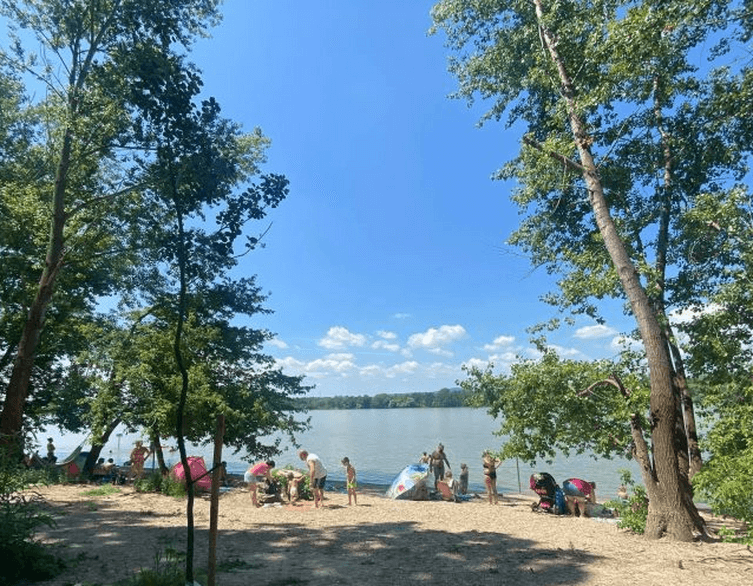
(157, 443)
(692, 463)
(11, 420)
(182, 263)
(670, 511)
(97, 445)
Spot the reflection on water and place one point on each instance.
(381, 442)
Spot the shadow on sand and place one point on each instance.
(391, 553)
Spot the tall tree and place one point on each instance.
(89, 39)
(609, 97)
(720, 357)
(197, 211)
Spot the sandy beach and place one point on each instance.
(380, 541)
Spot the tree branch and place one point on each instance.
(567, 162)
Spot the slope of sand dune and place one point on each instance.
(378, 542)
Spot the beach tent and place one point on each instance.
(198, 468)
(410, 483)
(73, 465)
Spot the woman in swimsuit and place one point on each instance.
(138, 457)
(490, 464)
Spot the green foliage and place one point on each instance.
(304, 485)
(545, 411)
(102, 491)
(21, 515)
(164, 483)
(614, 100)
(724, 480)
(634, 511)
(729, 535)
(720, 354)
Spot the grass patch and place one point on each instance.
(102, 491)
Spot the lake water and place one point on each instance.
(381, 442)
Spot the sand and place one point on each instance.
(380, 541)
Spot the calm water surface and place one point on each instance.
(381, 442)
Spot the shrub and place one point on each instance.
(21, 515)
(729, 535)
(304, 486)
(633, 512)
(166, 484)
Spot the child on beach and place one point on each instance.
(350, 482)
(291, 489)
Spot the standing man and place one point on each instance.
(317, 475)
(50, 451)
(438, 460)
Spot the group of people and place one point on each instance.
(439, 465)
(261, 473)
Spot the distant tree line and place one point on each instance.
(455, 397)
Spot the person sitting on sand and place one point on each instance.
(350, 480)
(463, 479)
(448, 488)
(259, 472)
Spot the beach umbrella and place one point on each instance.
(409, 481)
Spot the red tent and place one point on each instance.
(198, 468)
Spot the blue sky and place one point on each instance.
(386, 266)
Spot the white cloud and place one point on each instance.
(619, 343)
(402, 315)
(339, 337)
(499, 343)
(434, 339)
(566, 352)
(332, 362)
(277, 343)
(476, 363)
(321, 367)
(382, 345)
(408, 367)
(439, 369)
(594, 332)
(387, 335)
(291, 365)
(373, 370)
(688, 315)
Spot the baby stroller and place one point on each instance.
(551, 497)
